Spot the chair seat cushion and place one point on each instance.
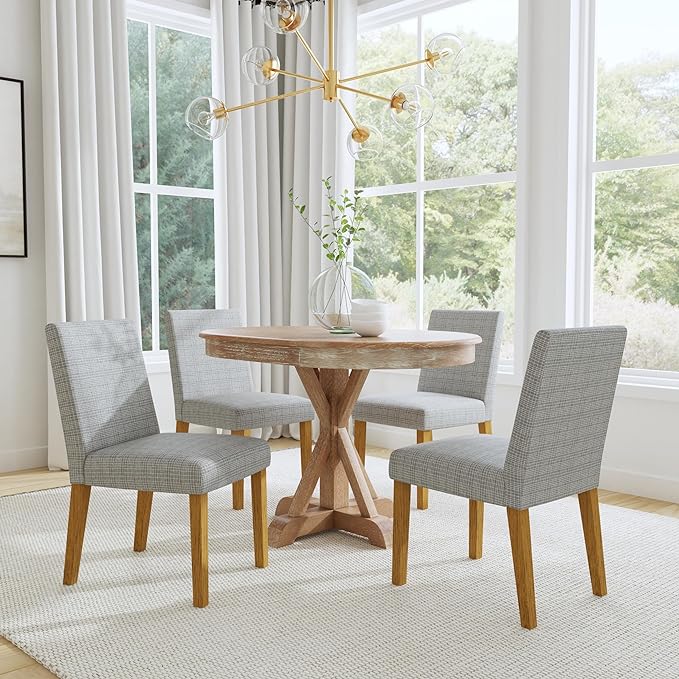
(423, 410)
(468, 466)
(177, 463)
(247, 410)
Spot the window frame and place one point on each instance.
(178, 17)
(378, 14)
(636, 379)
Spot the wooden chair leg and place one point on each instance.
(591, 527)
(260, 526)
(519, 535)
(141, 526)
(486, 427)
(238, 487)
(423, 493)
(475, 529)
(399, 560)
(238, 493)
(360, 431)
(422, 497)
(198, 513)
(77, 519)
(305, 444)
(182, 427)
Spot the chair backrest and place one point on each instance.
(194, 374)
(102, 387)
(476, 380)
(562, 419)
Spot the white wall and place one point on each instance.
(23, 384)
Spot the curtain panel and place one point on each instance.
(91, 258)
(266, 257)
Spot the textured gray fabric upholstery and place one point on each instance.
(420, 410)
(469, 466)
(476, 380)
(101, 385)
(191, 464)
(559, 432)
(194, 374)
(446, 397)
(110, 423)
(219, 393)
(247, 410)
(562, 420)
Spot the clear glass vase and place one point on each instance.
(331, 293)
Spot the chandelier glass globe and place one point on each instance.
(285, 16)
(260, 66)
(443, 50)
(412, 106)
(207, 117)
(365, 143)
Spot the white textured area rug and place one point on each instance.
(325, 606)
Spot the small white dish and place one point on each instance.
(369, 328)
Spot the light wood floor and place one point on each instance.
(17, 665)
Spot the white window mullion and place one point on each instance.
(440, 184)
(153, 158)
(636, 163)
(586, 111)
(155, 282)
(181, 191)
(419, 200)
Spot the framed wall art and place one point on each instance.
(13, 241)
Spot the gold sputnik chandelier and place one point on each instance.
(411, 105)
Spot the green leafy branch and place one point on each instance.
(342, 226)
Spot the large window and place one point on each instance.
(441, 202)
(174, 197)
(635, 174)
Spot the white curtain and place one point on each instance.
(91, 259)
(267, 259)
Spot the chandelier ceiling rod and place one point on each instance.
(411, 106)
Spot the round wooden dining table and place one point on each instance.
(333, 370)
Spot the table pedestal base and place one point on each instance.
(335, 463)
(285, 529)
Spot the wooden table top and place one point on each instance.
(315, 347)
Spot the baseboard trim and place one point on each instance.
(613, 479)
(636, 483)
(23, 458)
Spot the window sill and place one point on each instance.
(505, 377)
(157, 362)
(660, 390)
(629, 386)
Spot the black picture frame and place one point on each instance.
(22, 123)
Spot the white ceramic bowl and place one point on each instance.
(369, 328)
(368, 305)
(368, 315)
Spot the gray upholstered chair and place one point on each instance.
(214, 392)
(113, 440)
(445, 397)
(554, 451)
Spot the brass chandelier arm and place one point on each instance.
(363, 93)
(348, 112)
(389, 69)
(276, 98)
(290, 74)
(314, 58)
(331, 35)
